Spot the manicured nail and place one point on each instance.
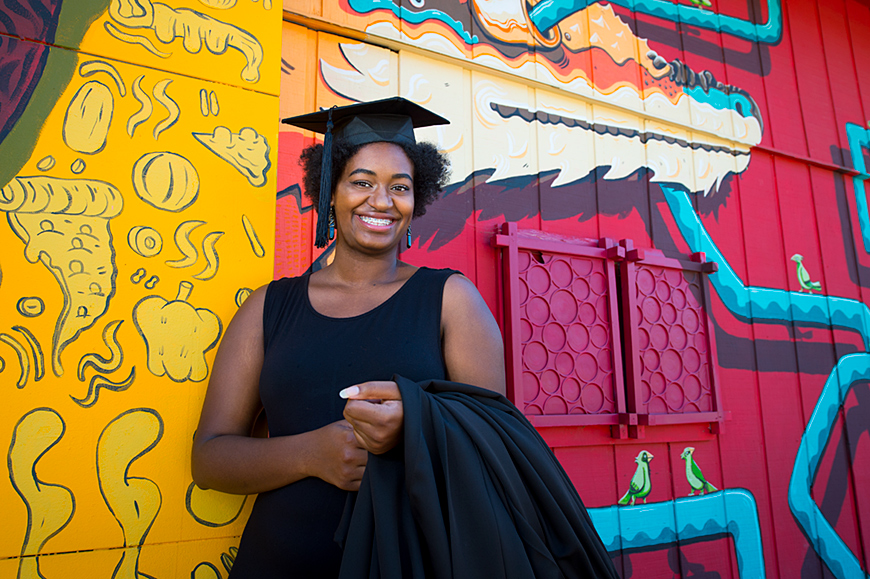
(350, 391)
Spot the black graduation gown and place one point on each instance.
(472, 492)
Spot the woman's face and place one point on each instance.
(374, 198)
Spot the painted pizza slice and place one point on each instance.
(64, 223)
(247, 151)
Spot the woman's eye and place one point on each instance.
(401, 188)
(361, 183)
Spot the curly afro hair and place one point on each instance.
(431, 170)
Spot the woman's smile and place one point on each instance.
(375, 222)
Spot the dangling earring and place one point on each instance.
(409, 236)
(331, 223)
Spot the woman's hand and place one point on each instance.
(374, 410)
(339, 460)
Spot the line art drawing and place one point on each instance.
(133, 501)
(177, 335)
(50, 506)
(88, 118)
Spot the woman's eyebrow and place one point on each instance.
(373, 174)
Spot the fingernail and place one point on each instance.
(349, 391)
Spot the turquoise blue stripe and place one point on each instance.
(366, 6)
(731, 511)
(768, 304)
(826, 542)
(549, 13)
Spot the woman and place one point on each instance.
(297, 344)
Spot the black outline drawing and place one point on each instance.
(130, 495)
(37, 420)
(242, 294)
(41, 201)
(26, 310)
(213, 105)
(23, 360)
(151, 282)
(158, 352)
(36, 350)
(212, 259)
(46, 163)
(195, 28)
(203, 100)
(139, 237)
(100, 382)
(138, 275)
(181, 182)
(99, 363)
(88, 118)
(256, 246)
(146, 107)
(159, 92)
(90, 67)
(195, 574)
(182, 242)
(188, 503)
(227, 559)
(208, 102)
(237, 150)
(78, 166)
(119, 34)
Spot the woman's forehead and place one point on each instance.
(381, 157)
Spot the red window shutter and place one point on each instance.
(670, 362)
(562, 328)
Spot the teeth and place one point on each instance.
(374, 221)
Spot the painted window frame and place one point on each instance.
(621, 261)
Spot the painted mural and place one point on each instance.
(137, 190)
(725, 132)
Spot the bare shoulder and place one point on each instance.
(461, 296)
(471, 342)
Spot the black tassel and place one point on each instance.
(321, 237)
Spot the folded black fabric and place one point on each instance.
(473, 491)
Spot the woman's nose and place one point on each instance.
(380, 198)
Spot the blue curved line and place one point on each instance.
(760, 303)
(860, 137)
(731, 511)
(548, 13)
(756, 303)
(719, 100)
(366, 6)
(827, 543)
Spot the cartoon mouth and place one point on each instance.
(636, 109)
(544, 118)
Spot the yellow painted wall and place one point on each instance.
(132, 232)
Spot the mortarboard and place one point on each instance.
(392, 120)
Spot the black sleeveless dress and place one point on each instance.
(308, 359)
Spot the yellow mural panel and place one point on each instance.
(232, 42)
(143, 216)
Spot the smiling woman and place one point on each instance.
(323, 355)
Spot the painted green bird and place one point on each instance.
(694, 475)
(702, 3)
(640, 483)
(804, 276)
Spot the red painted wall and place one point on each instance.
(796, 195)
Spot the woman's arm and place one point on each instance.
(471, 341)
(225, 455)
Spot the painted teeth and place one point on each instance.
(374, 221)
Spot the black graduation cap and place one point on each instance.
(392, 120)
